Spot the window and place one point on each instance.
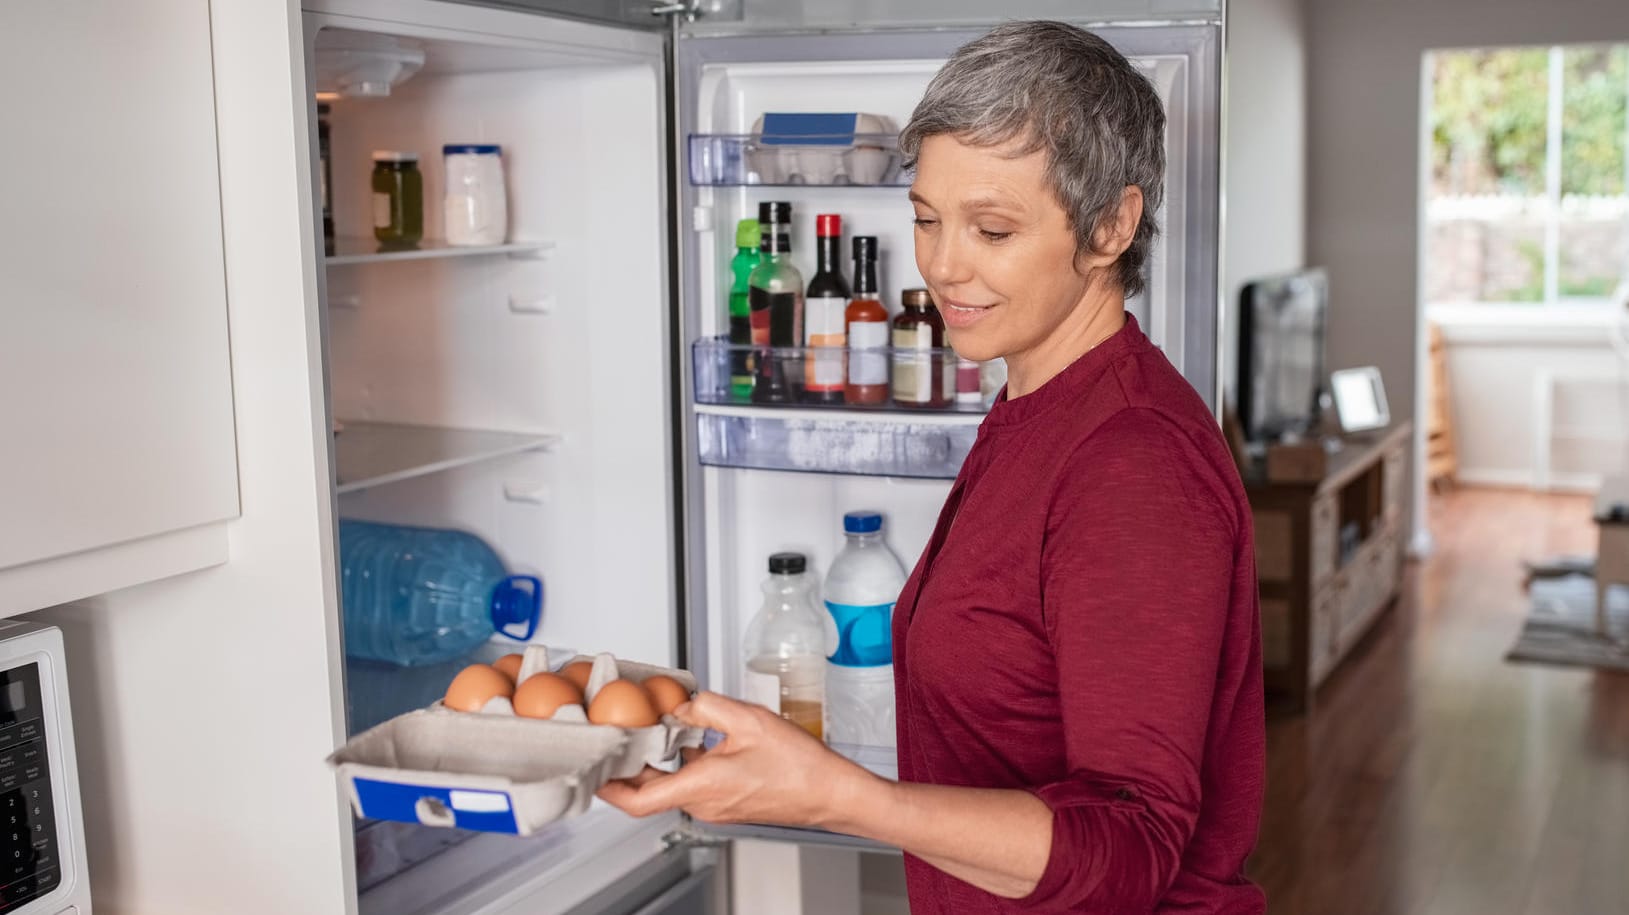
(1527, 200)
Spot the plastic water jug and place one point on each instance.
(864, 581)
(419, 595)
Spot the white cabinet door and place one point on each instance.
(115, 379)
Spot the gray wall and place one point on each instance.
(1264, 172)
(1364, 65)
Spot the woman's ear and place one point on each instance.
(1113, 236)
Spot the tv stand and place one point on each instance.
(1328, 557)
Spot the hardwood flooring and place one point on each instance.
(1432, 777)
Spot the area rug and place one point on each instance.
(1560, 627)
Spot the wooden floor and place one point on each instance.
(1433, 777)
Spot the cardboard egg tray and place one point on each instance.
(496, 772)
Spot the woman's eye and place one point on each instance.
(995, 236)
(922, 223)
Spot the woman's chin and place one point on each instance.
(974, 344)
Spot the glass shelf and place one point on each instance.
(838, 160)
(368, 251)
(372, 454)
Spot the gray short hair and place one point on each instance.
(1068, 92)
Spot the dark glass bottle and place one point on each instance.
(775, 293)
(919, 337)
(823, 313)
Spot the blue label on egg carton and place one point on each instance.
(436, 805)
(809, 129)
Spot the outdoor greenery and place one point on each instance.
(1489, 114)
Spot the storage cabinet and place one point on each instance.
(1328, 558)
(119, 448)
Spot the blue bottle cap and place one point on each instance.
(862, 523)
(471, 149)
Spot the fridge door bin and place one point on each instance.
(483, 772)
(849, 160)
(795, 376)
(877, 444)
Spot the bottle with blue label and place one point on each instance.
(861, 587)
(414, 596)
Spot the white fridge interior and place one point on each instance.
(528, 393)
(520, 392)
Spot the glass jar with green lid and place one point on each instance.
(398, 198)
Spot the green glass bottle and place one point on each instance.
(746, 258)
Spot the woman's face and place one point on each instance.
(995, 247)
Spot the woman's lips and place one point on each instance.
(962, 315)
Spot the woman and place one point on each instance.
(1077, 653)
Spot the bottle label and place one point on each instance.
(913, 364)
(823, 324)
(868, 352)
(381, 210)
(864, 634)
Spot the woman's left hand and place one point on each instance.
(766, 770)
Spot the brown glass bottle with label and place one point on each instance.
(919, 337)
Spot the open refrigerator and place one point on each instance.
(542, 393)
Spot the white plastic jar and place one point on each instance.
(475, 210)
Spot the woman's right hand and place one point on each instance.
(766, 770)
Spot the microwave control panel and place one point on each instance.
(29, 863)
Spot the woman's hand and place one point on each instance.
(766, 770)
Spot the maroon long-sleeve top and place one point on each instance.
(1083, 625)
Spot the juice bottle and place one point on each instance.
(866, 330)
(785, 647)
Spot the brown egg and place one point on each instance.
(623, 703)
(541, 695)
(577, 672)
(510, 665)
(475, 685)
(666, 692)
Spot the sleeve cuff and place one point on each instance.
(1078, 861)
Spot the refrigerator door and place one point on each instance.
(725, 79)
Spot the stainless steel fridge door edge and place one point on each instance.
(794, 835)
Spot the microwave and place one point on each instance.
(42, 832)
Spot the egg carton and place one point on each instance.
(494, 771)
(482, 772)
(654, 745)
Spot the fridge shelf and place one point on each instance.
(925, 445)
(372, 454)
(781, 377)
(802, 160)
(348, 250)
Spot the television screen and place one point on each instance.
(1281, 354)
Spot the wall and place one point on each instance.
(204, 704)
(1364, 88)
(1264, 161)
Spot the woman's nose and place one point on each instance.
(946, 263)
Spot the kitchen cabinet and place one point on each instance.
(118, 462)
